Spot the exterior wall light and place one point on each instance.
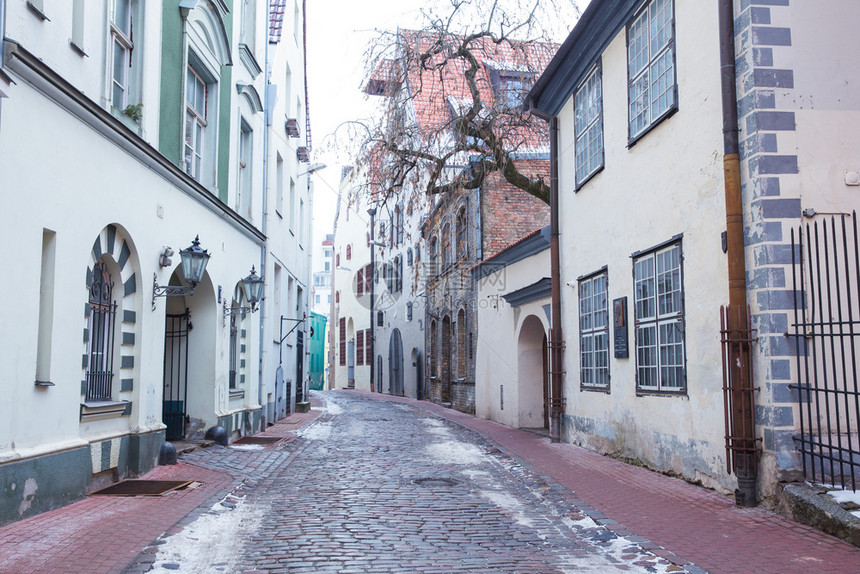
(194, 260)
(252, 288)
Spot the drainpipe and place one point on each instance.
(743, 407)
(372, 213)
(263, 271)
(555, 336)
(556, 339)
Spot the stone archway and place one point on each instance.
(532, 379)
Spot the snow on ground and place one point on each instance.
(247, 446)
(843, 496)
(509, 503)
(210, 543)
(316, 431)
(455, 452)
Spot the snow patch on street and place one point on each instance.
(507, 502)
(211, 542)
(247, 447)
(317, 431)
(455, 452)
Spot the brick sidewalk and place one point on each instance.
(703, 528)
(103, 534)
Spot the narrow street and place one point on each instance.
(377, 486)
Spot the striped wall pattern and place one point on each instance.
(113, 245)
(772, 207)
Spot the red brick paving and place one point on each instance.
(105, 533)
(696, 524)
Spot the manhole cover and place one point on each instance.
(436, 481)
(258, 440)
(141, 487)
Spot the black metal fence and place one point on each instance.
(826, 269)
(101, 327)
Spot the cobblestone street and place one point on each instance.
(374, 486)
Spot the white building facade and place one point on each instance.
(127, 130)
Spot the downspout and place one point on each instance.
(372, 213)
(263, 271)
(743, 441)
(556, 338)
(556, 341)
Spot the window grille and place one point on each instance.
(101, 326)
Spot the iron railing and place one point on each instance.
(102, 325)
(825, 273)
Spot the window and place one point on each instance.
(447, 257)
(594, 331)
(246, 145)
(398, 273)
(328, 265)
(398, 225)
(248, 23)
(434, 255)
(196, 96)
(342, 341)
(359, 348)
(359, 283)
(279, 186)
(46, 303)
(651, 66)
(292, 204)
(122, 36)
(368, 277)
(409, 257)
(433, 345)
(101, 330)
(659, 315)
(461, 344)
(588, 127)
(77, 39)
(349, 252)
(337, 260)
(317, 299)
(237, 317)
(368, 346)
(408, 311)
(380, 319)
(462, 247)
(511, 87)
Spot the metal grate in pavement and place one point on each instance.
(141, 487)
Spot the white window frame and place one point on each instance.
(658, 308)
(594, 331)
(588, 126)
(651, 70)
(195, 142)
(122, 38)
(244, 197)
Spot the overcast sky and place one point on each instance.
(338, 32)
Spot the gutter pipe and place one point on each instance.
(743, 441)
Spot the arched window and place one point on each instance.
(433, 361)
(349, 252)
(434, 256)
(447, 257)
(101, 329)
(461, 344)
(462, 244)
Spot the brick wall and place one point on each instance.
(508, 213)
(498, 215)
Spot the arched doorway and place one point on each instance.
(532, 374)
(395, 363)
(417, 364)
(189, 372)
(445, 360)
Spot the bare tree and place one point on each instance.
(452, 97)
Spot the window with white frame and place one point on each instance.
(588, 126)
(594, 331)
(249, 24)
(196, 109)
(123, 72)
(651, 66)
(246, 148)
(659, 317)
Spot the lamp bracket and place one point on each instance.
(168, 290)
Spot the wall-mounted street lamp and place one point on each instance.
(194, 260)
(252, 288)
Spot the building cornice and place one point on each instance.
(26, 66)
